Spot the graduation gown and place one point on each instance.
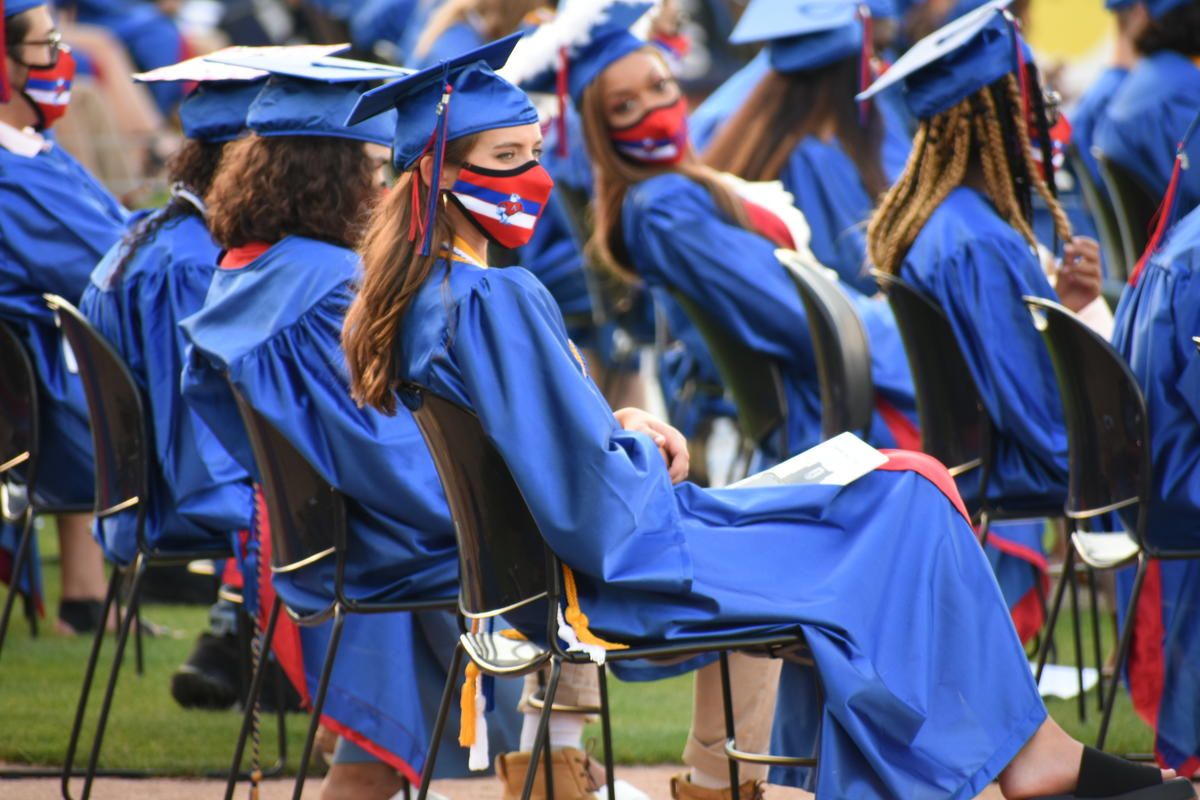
(56, 221)
(677, 238)
(931, 705)
(1146, 119)
(199, 494)
(273, 327)
(1156, 320)
(1089, 111)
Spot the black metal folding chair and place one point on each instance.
(1134, 205)
(505, 567)
(956, 428)
(19, 502)
(841, 346)
(1101, 205)
(120, 442)
(1110, 460)
(307, 520)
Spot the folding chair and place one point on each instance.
(1101, 205)
(1134, 205)
(505, 567)
(840, 343)
(19, 503)
(1111, 468)
(120, 442)
(307, 520)
(956, 428)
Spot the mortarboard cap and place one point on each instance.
(802, 34)
(1119, 5)
(311, 95)
(14, 7)
(1159, 7)
(955, 61)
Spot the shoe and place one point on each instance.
(682, 788)
(573, 779)
(209, 678)
(1104, 776)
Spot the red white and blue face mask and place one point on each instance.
(504, 204)
(48, 88)
(660, 137)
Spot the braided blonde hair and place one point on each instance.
(941, 156)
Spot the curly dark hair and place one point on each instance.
(271, 187)
(193, 166)
(1178, 30)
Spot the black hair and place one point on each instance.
(1178, 30)
(16, 28)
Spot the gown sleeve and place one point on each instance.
(601, 495)
(678, 239)
(1187, 315)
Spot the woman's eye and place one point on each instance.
(505, 156)
(537, 153)
(624, 107)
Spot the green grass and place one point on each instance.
(39, 685)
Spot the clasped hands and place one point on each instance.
(672, 444)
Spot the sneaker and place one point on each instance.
(682, 788)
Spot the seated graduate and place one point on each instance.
(1157, 319)
(1149, 113)
(460, 25)
(285, 206)
(56, 221)
(936, 704)
(663, 218)
(800, 124)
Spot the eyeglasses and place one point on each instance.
(54, 41)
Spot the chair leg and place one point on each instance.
(1122, 650)
(606, 733)
(126, 623)
(543, 731)
(985, 528)
(138, 649)
(439, 725)
(256, 682)
(1096, 648)
(89, 675)
(730, 734)
(339, 619)
(1075, 625)
(14, 585)
(1055, 607)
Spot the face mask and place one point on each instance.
(48, 89)
(503, 204)
(1060, 139)
(659, 137)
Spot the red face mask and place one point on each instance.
(504, 204)
(659, 137)
(1060, 139)
(49, 88)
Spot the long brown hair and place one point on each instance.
(783, 109)
(495, 18)
(615, 174)
(277, 186)
(393, 271)
(987, 129)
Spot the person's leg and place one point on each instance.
(357, 775)
(83, 581)
(754, 683)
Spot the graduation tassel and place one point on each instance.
(439, 155)
(1164, 218)
(865, 72)
(1019, 61)
(561, 87)
(472, 724)
(573, 627)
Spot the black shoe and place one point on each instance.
(209, 677)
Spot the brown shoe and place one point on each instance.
(573, 778)
(682, 788)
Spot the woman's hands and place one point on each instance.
(1079, 275)
(671, 443)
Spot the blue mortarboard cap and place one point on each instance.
(802, 34)
(955, 61)
(1119, 5)
(14, 7)
(216, 111)
(480, 100)
(1159, 7)
(309, 95)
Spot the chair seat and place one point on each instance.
(1105, 550)
(501, 655)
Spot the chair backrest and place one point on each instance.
(1196, 339)
(18, 407)
(305, 514)
(120, 436)
(842, 350)
(1108, 430)
(955, 426)
(501, 554)
(1134, 204)
(1101, 205)
(752, 377)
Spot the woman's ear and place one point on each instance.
(449, 172)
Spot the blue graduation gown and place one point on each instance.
(932, 706)
(1088, 112)
(1156, 320)
(678, 238)
(454, 41)
(274, 327)
(709, 116)
(1146, 119)
(199, 494)
(56, 221)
